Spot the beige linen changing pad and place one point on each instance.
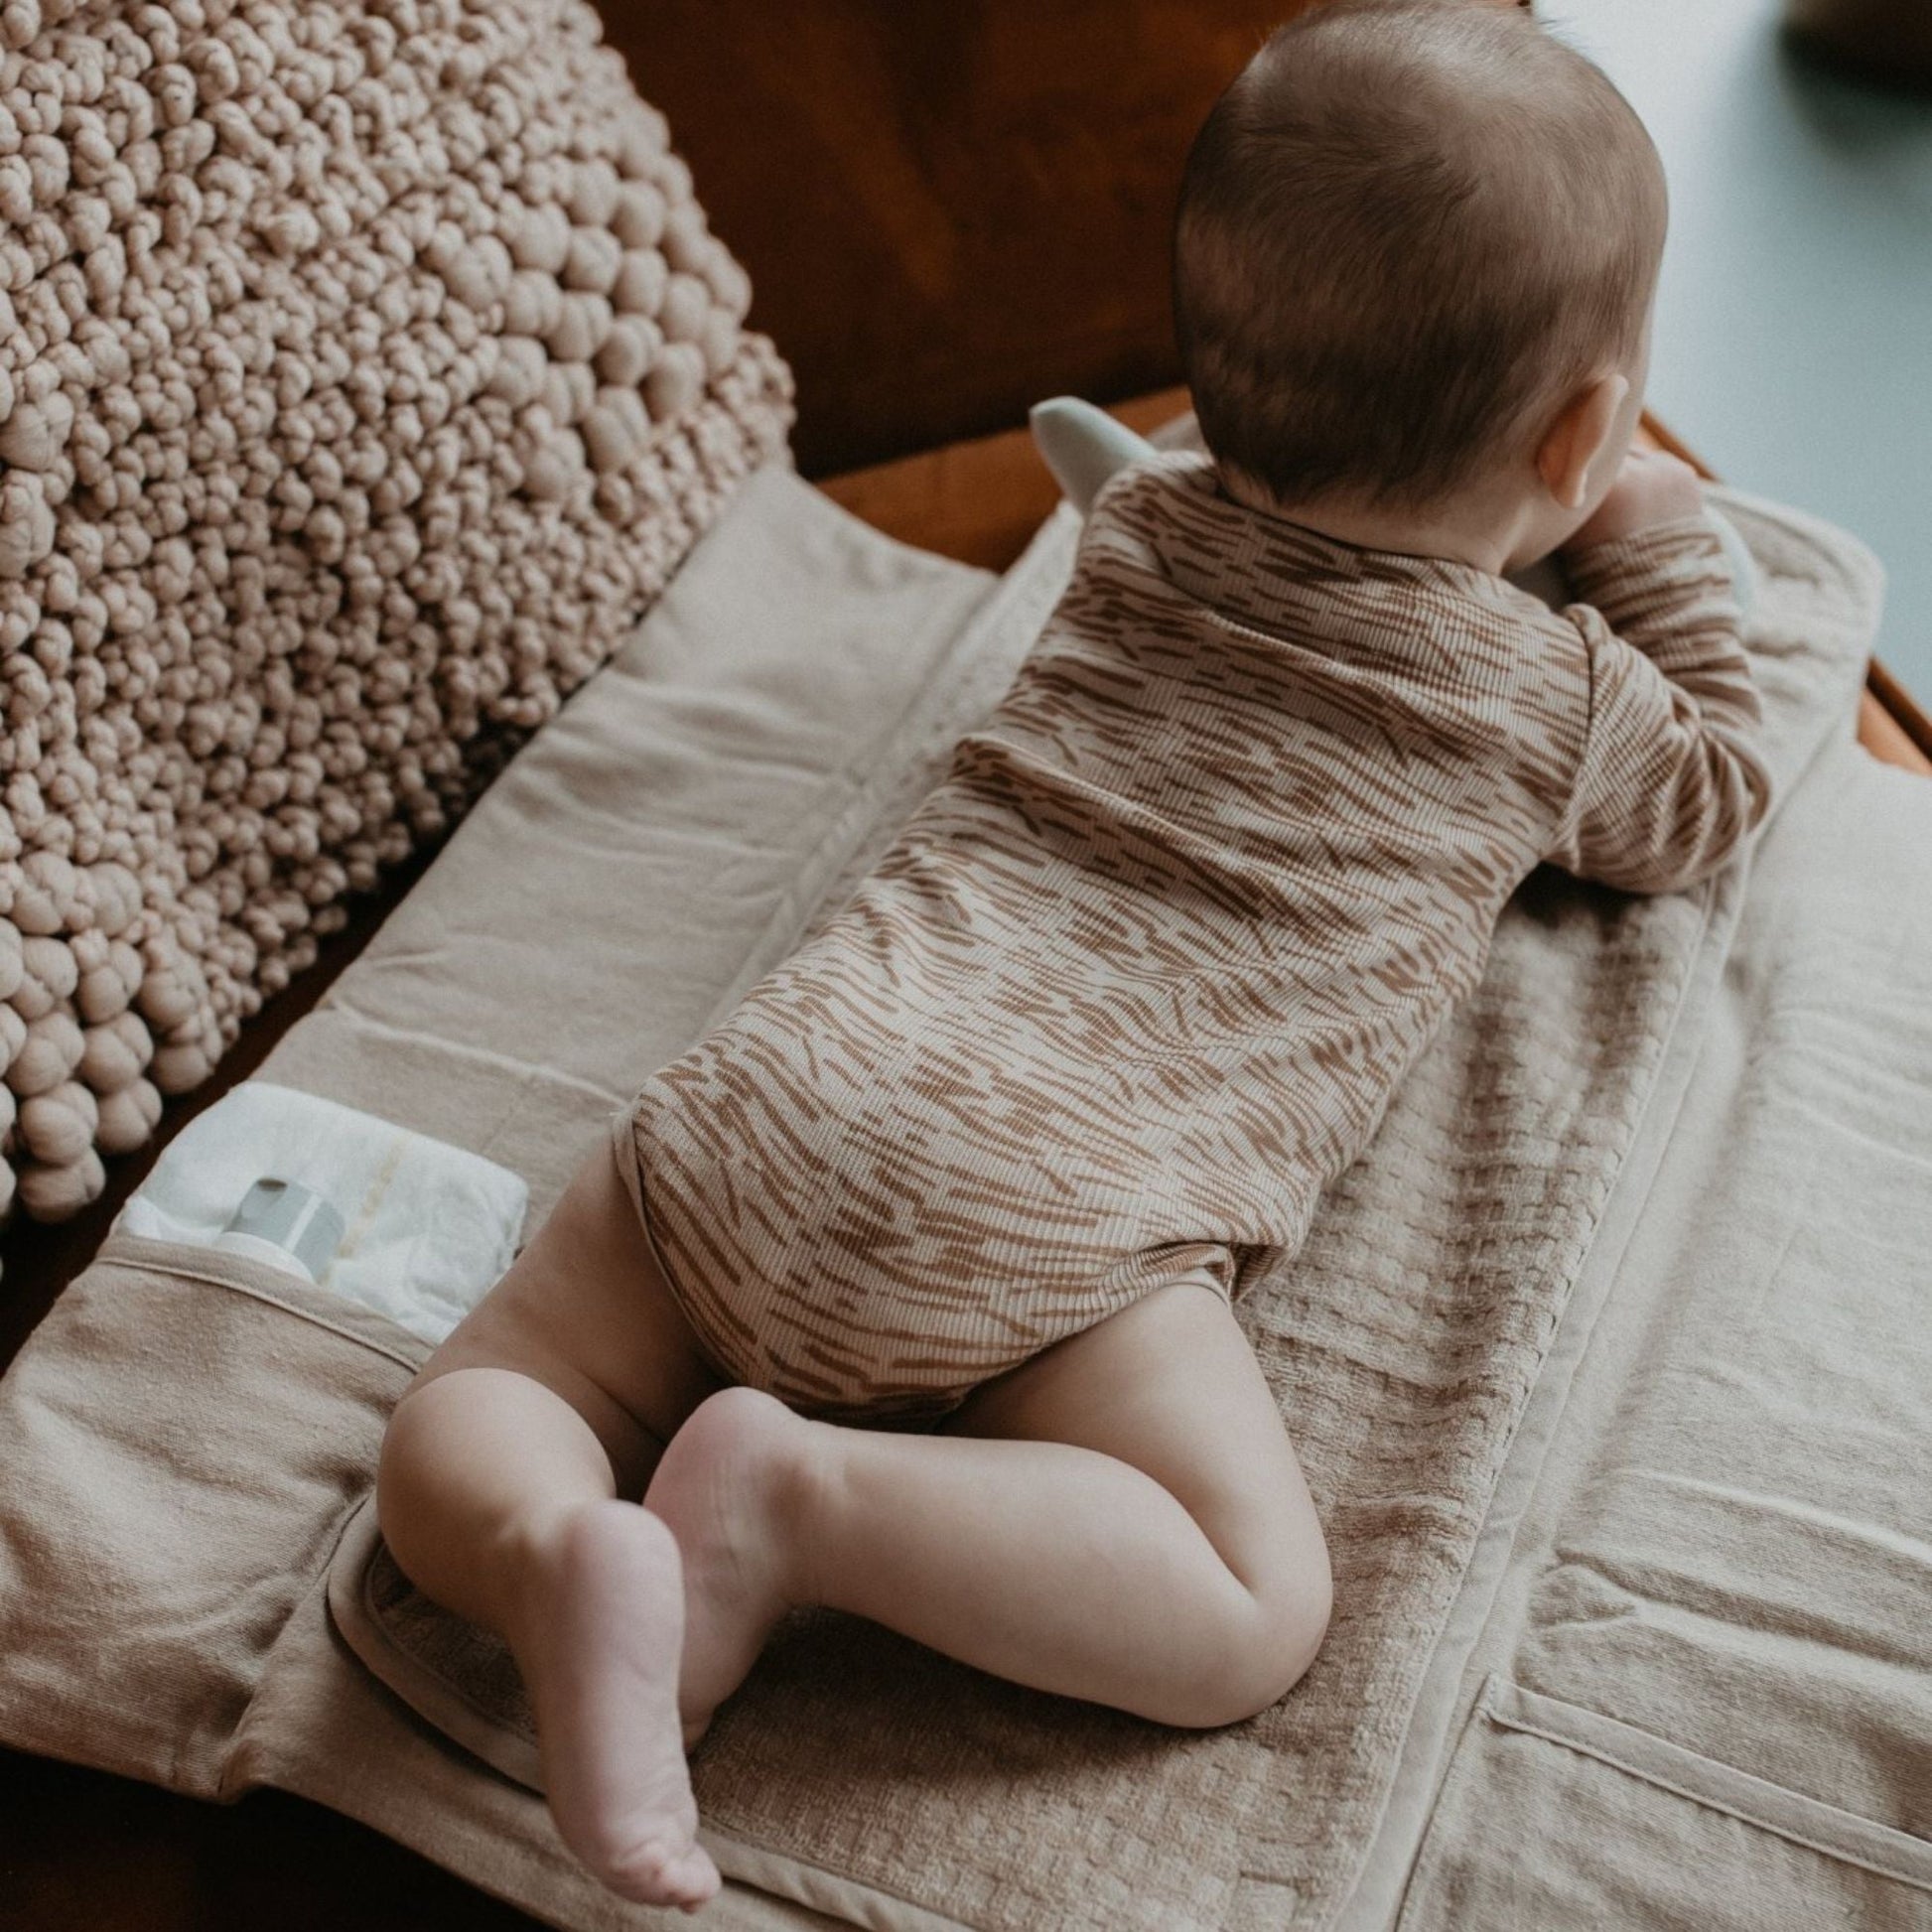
(192, 1443)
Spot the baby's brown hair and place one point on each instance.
(1406, 228)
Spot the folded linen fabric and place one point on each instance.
(784, 706)
(1402, 1340)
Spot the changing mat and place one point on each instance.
(698, 806)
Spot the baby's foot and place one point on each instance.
(600, 1636)
(726, 1485)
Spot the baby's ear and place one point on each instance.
(1578, 436)
(1083, 447)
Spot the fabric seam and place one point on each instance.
(1589, 1747)
(159, 1257)
(1710, 893)
(1444, 1752)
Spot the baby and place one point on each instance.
(908, 1289)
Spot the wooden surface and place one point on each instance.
(1886, 40)
(978, 500)
(1906, 736)
(80, 1852)
(1890, 725)
(949, 209)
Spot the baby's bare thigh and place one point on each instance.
(1171, 1386)
(586, 1311)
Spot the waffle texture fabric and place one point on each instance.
(364, 372)
(1137, 981)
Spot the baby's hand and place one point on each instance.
(1651, 488)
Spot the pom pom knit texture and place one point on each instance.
(364, 372)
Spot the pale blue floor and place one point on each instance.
(1794, 324)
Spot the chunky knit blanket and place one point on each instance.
(364, 372)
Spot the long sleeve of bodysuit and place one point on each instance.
(1671, 779)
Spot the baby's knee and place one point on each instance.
(1265, 1650)
(755, 1449)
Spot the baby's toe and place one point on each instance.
(663, 1871)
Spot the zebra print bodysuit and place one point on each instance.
(1137, 980)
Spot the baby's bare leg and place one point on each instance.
(498, 1495)
(1120, 1519)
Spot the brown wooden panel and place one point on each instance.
(949, 209)
(81, 1851)
(1909, 719)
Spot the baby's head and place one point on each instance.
(1414, 262)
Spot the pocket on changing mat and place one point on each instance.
(1554, 1814)
(425, 1228)
(187, 1433)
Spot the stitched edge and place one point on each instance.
(182, 1261)
(1573, 1726)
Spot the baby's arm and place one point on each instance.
(1671, 778)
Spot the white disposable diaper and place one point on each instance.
(426, 1229)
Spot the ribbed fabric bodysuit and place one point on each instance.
(1139, 977)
